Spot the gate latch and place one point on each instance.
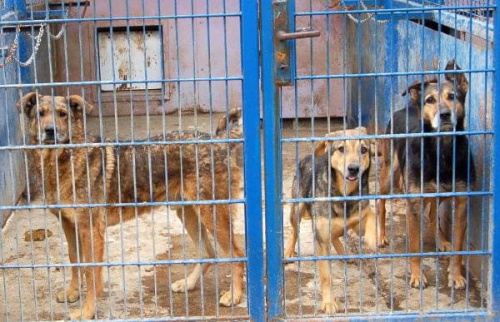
(283, 22)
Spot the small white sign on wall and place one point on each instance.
(134, 55)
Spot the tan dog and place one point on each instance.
(341, 168)
(131, 174)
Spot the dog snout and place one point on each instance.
(50, 132)
(353, 169)
(445, 114)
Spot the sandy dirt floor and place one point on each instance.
(133, 292)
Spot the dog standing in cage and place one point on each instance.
(80, 175)
(430, 164)
(337, 169)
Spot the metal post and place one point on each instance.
(253, 195)
(272, 163)
(495, 213)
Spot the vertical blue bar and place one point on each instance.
(251, 127)
(272, 165)
(495, 222)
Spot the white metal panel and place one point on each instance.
(137, 59)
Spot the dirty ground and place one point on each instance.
(133, 292)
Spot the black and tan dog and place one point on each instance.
(131, 174)
(434, 106)
(341, 168)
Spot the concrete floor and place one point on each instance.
(143, 292)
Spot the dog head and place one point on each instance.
(442, 103)
(54, 119)
(351, 158)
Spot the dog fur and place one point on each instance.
(433, 107)
(339, 168)
(131, 174)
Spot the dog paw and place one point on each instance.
(444, 246)
(230, 298)
(69, 296)
(79, 315)
(417, 280)
(289, 254)
(329, 306)
(382, 241)
(457, 281)
(182, 286)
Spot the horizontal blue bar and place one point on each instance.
(393, 196)
(118, 82)
(129, 18)
(239, 78)
(403, 15)
(132, 263)
(172, 317)
(118, 144)
(125, 204)
(386, 256)
(394, 10)
(441, 315)
(379, 74)
(387, 136)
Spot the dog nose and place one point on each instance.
(353, 169)
(50, 131)
(445, 114)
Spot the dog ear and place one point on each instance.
(78, 105)
(416, 88)
(459, 78)
(27, 102)
(322, 147)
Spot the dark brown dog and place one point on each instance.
(433, 107)
(131, 174)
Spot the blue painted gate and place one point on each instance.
(386, 46)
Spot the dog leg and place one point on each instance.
(190, 221)
(370, 229)
(455, 277)
(328, 304)
(444, 244)
(223, 235)
(413, 231)
(72, 293)
(295, 217)
(92, 240)
(382, 238)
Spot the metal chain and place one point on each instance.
(370, 16)
(11, 55)
(35, 50)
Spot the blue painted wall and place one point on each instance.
(11, 163)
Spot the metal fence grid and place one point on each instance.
(155, 92)
(162, 75)
(358, 77)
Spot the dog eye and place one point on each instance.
(430, 100)
(451, 96)
(62, 113)
(341, 149)
(363, 150)
(41, 113)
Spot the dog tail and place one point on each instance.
(230, 125)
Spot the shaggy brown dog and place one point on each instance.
(114, 176)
